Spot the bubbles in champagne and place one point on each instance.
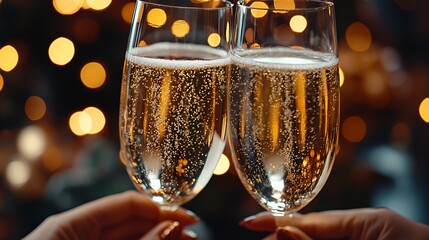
(284, 124)
(173, 111)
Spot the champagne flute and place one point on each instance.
(173, 105)
(284, 100)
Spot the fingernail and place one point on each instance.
(247, 220)
(192, 214)
(189, 234)
(284, 233)
(171, 232)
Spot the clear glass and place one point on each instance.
(173, 104)
(284, 100)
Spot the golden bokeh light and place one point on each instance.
(97, 118)
(53, 159)
(358, 37)
(424, 110)
(67, 7)
(298, 23)
(61, 51)
(93, 75)
(31, 142)
(75, 125)
(8, 58)
(1, 82)
(354, 129)
(18, 172)
(127, 12)
(85, 122)
(35, 108)
(222, 166)
(214, 40)
(180, 28)
(342, 77)
(156, 17)
(255, 45)
(142, 43)
(257, 10)
(284, 5)
(98, 4)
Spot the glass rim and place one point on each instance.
(322, 5)
(227, 5)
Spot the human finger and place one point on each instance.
(265, 221)
(289, 232)
(169, 230)
(183, 216)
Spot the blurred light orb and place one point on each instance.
(8, 58)
(35, 108)
(74, 124)
(358, 37)
(53, 159)
(298, 23)
(342, 77)
(67, 7)
(180, 28)
(127, 12)
(284, 5)
(1, 82)
(85, 122)
(222, 166)
(214, 40)
(227, 33)
(18, 172)
(354, 129)
(97, 118)
(98, 5)
(93, 75)
(32, 142)
(257, 10)
(156, 18)
(61, 51)
(424, 110)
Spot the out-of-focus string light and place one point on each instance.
(1, 82)
(67, 7)
(222, 166)
(156, 17)
(127, 12)
(89, 121)
(424, 110)
(284, 5)
(75, 125)
(180, 28)
(98, 5)
(298, 23)
(353, 129)
(342, 77)
(18, 172)
(93, 75)
(32, 142)
(97, 118)
(8, 58)
(35, 108)
(258, 11)
(61, 51)
(358, 37)
(213, 40)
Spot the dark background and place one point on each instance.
(387, 167)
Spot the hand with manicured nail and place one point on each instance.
(128, 215)
(379, 223)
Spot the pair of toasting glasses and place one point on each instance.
(264, 77)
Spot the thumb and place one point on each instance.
(168, 230)
(290, 232)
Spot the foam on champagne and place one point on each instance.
(199, 56)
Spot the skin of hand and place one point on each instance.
(128, 215)
(365, 223)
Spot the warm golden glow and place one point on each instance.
(274, 121)
(301, 105)
(222, 166)
(53, 159)
(127, 12)
(75, 125)
(35, 108)
(342, 77)
(284, 5)
(142, 43)
(1, 82)
(85, 122)
(98, 121)
(298, 23)
(354, 129)
(93, 75)
(180, 28)
(32, 142)
(214, 40)
(249, 35)
(424, 110)
(258, 11)
(164, 103)
(18, 172)
(227, 32)
(8, 58)
(67, 7)
(98, 4)
(61, 51)
(255, 45)
(358, 37)
(156, 18)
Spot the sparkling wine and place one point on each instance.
(284, 121)
(173, 118)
